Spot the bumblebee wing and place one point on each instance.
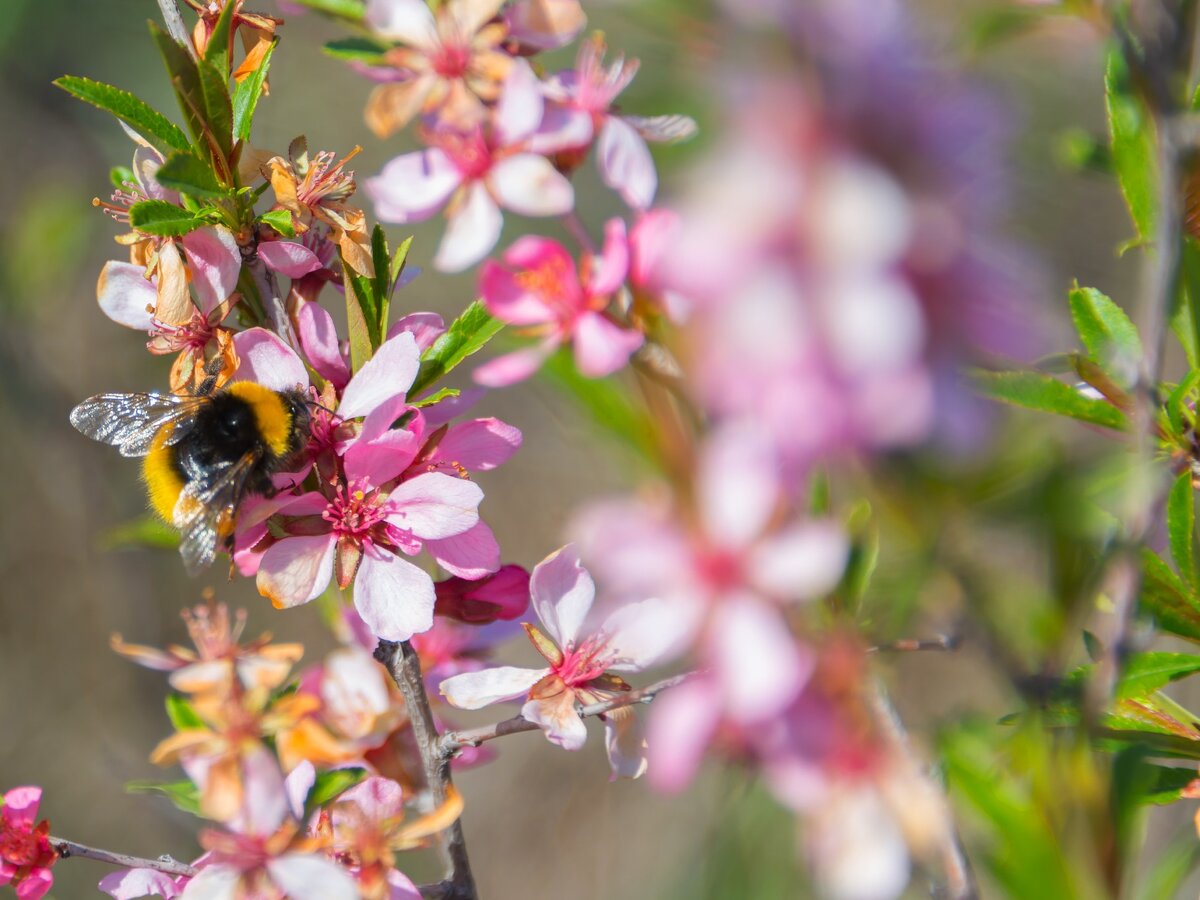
(130, 421)
(204, 513)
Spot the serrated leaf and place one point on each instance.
(1145, 673)
(247, 94)
(359, 312)
(381, 285)
(182, 714)
(148, 531)
(218, 108)
(329, 785)
(468, 334)
(1165, 597)
(1033, 390)
(1134, 156)
(188, 174)
(281, 220)
(158, 217)
(1181, 527)
(183, 794)
(1178, 405)
(184, 78)
(163, 134)
(399, 262)
(351, 10)
(1106, 331)
(354, 49)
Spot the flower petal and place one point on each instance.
(601, 346)
(739, 484)
(297, 785)
(508, 299)
(215, 262)
(296, 570)
(394, 597)
(512, 367)
(758, 663)
(613, 264)
(406, 21)
(213, 883)
(126, 296)
(20, 807)
(663, 129)
(471, 231)
(475, 690)
(480, 444)
(545, 24)
(472, 554)
(625, 163)
(519, 111)
(625, 742)
(801, 563)
(385, 376)
(681, 723)
(425, 327)
(413, 186)
(131, 883)
(562, 592)
(264, 357)
(435, 506)
(307, 876)
(557, 717)
(530, 185)
(378, 799)
(648, 632)
(290, 258)
(319, 340)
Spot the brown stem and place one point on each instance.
(164, 863)
(909, 645)
(404, 666)
(453, 741)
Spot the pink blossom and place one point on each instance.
(540, 288)
(128, 884)
(544, 24)
(26, 856)
(501, 595)
(584, 651)
(474, 174)
(581, 112)
(650, 281)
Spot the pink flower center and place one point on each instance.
(551, 281)
(21, 848)
(355, 510)
(720, 569)
(583, 663)
(194, 335)
(451, 60)
(468, 152)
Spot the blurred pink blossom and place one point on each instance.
(26, 856)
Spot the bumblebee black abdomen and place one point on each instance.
(223, 432)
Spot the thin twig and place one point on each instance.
(164, 863)
(912, 645)
(404, 666)
(175, 26)
(453, 741)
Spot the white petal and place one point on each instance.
(413, 186)
(625, 742)
(562, 592)
(126, 296)
(386, 375)
(650, 631)
(625, 163)
(394, 597)
(213, 883)
(801, 563)
(519, 112)
(530, 185)
(435, 505)
(475, 690)
(304, 876)
(664, 129)
(296, 570)
(406, 21)
(471, 232)
(739, 484)
(264, 357)
(558, 718)
(760, 666)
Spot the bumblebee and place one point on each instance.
(204, 453)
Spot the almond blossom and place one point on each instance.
(583, 649)
(540, 289)
(26, 856)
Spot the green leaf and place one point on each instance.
(183, 794)
(1181, 526)
(120, 176)
(360, 311)
(1106, 331)
(184, 78)
(1178, 404)
(148, 531)
(436, 397)
(281, 220)
(247, 94)
(1165, 597)
(1185, 318)
(352, 10)
(158, 217)
(864, 555)
(216, 53)
(819, 499)
(330, 785)
(381, 285)
(1134, 156)
(218, 108)
(1146, 673)
(182, 714)
(1132, 778)
(467, 334)
(361, 50)
(163, 134)
(1033, 390)
(1167, 784)
(188, 174)
(399, 261)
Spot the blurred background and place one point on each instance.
(80, 722)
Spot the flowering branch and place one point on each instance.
(164, 863)
(403, 664)
(453, 741)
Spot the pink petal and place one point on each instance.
(625, 163)
(512, 367)
(146, 163)
(435, 506)
(214, 883)
(801, 563)
(625, 743)
(131, 883)
(530, 185)
(557, 717)
(35, 885)
(401, 886)
(298, 783)
(290, 258)
(651, 631)
(296, 570)
(739, 484)
(215, 262)
(394, 597)
(562, 128)
(601, 346)
(305, 876)
(480, 444)
(760, 667)
(508, 300)
(413, 186)
(649, 240)
(405, 21)
(471, 231)
(681, 723)
(126, 296)
(519, 111)
(378, 799)
(613, 264)
(381, 460)
(475, 690)
(21, 806)
(385, 376)
(425, 327)
(319, 341)
(636, 548)
(562, 592)
(472, 554)
(264, 801)
(264, 357)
